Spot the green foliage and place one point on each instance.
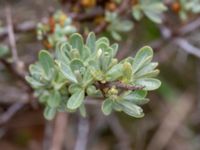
(151, 9)
(117, 25)
(3, 51)
(189, 6)
(57, 29)
(77, 70)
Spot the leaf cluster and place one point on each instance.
(89, 69)
(189, 6)
(152, 9)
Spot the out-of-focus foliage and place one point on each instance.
(188, 6)
(152, 9)
(117, 26)
(58, 28)
(4, 50)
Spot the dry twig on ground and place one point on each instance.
(171, 122)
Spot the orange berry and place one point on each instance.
(111, 6)
(88, 3)
(176, 7)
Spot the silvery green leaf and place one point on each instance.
(36, 70)
(91, 90)
(73, 88)
(137, 97)
(155, 17)
(103, 46)
(102, 40)
(142, 57)
(76, 99)
(131, 109)
(54, 99)
(62, 52)
(116, 36)
(117, 107)
(86, 53)
(44, 97)
(49, 113)
(154, 10)
(136, 12)
(111, 16)
(34, 83)
(82, 110)
(76, 64)
(76, 41)
(87, 78)
(67, 72)
(148, 83)
(146, 69)
(151, 74)
(105, 60)
(95, 64)
(115, 48)
(90, 42)
(115, 72)
(156, 7)
(75, 53)
(137, 94)
(46, 61)
(3, 50)
(124, 26)
(127, 72)
(107, 106)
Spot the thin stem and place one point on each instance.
(11, 35)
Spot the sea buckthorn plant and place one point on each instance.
(77, 70)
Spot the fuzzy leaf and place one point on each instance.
(115, 48)
(54, 99)
(142, 57)
(148, 83)
(137, 97)
(46, 61)
(62, 49)
(67, 72)
(146, 69)
(116, 35)
(82, 110)
(131, 109)
(49, 113)
(33, 82)
(127, 72)
(76, 64)
(115, 72)
(90, 42)
(76, 100)
(136, 12)
(76, 41)
(106, 107)
(102, 40)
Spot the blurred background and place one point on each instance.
(172, 117)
